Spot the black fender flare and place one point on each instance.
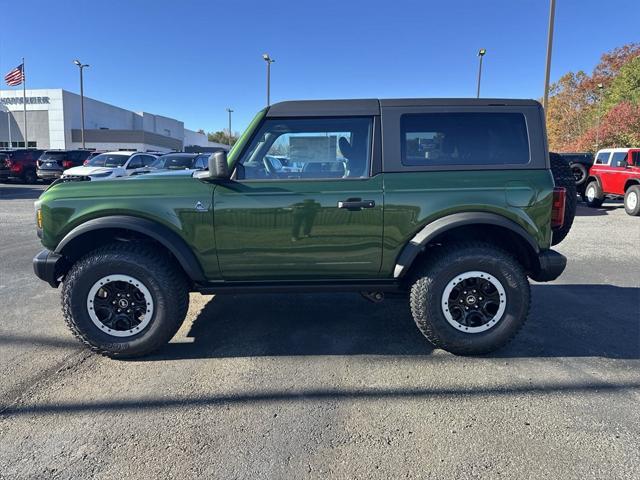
(591, 178)
(160, 233)
(430, 231)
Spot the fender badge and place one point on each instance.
(200, 207)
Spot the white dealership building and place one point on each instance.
(54, 122)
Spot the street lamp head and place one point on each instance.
(482, 52)
(77, 62)
(267, 58)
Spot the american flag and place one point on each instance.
(15, 77)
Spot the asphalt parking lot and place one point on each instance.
(329, 386)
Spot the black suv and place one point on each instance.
(53, 162)
(19, 164)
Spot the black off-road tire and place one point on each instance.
(431, 279)
(580, 173)
(155, 269)
(563, 177)
(598, 197)
(633, 210)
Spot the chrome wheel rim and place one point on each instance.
(591, 194)
(632, 200)
(474, 302)
(120, 305)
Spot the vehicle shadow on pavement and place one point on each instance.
(565, 321)
(21, 192)
(583, 210)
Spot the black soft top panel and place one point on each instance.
(371, 106)
(324, 108)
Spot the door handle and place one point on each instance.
(356, 204)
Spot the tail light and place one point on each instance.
(86, 162)
(67, 164)
(7, 162)
(557, 209)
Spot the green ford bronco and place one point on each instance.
(452, 203)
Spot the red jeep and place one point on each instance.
(615, 173)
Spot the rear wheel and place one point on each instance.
(593, 195)
(632, 200)
(125, 299)
(29, 176)
(471, 300)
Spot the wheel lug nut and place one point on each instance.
(466, 308)
(119, 310)
(479, 298)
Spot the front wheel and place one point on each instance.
(125, 299)
(632, 200)
(471, 300)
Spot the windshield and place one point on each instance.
(174, 162)
(109, 160)
(53, 156)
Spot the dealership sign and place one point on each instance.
(20, 100)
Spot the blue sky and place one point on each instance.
(191, 59)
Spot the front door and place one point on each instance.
(302, 204)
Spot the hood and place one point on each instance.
(87, 171)
(162, 173)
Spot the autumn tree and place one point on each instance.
(578, 100)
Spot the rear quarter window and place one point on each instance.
(464, 138)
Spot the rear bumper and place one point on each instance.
(46, 266)
(49, 173)
(552, 264)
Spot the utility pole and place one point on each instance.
(552, 14)
(600, 87)
(481, 53)
(269, 60)
(81, 67)
(229, 111)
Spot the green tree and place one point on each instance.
(625, 87)
(222, 136)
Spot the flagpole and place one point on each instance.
(8, 117)
(24, 104)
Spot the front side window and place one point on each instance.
(136, 162)
(617, 158)
(309, 148)
(465, 138)
(602, 158)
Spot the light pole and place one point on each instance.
(481, 53)
(229, 111)
(600, 87)
(552, 14)
(81, 66)
(269, 60)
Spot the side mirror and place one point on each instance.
(218, 166)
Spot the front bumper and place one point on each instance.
(551, 266)
(47, 266)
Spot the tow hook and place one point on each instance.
(374, 297)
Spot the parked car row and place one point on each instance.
(613, 173)
(30, 165)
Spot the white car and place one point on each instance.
(111, 165)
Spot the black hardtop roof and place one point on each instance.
(371, 106)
